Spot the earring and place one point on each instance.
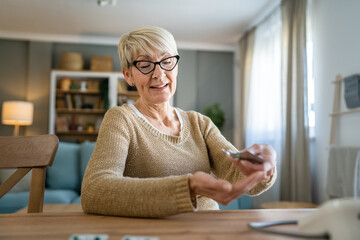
(132, 84)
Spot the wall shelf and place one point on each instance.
(345, 112)
(129, 93)
(90, 92)
(78, 108)
(336, 108)
(81, 111)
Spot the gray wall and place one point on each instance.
(24, 75)
(13, 75)
(336, 51)
(186, 90)
(39, 66)
(215, 84)
(204, 78)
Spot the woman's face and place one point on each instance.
(156, 87)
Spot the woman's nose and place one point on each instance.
(158, 71)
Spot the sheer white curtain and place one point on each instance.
(264, 119)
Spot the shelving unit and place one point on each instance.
(75, 114)
(80, 111)
(336, 108)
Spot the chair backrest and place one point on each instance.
(28, 153)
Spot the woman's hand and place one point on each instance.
(223, 191)
(220, 190)
(263, 150)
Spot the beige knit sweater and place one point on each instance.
(135, 170)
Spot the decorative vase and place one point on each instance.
(65, 84)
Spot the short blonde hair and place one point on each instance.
(144, 40)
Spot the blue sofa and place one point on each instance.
(63, 178)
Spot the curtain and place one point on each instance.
(273, 95)
(264, 122)
(295, 167)
(246, 46)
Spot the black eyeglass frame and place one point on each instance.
(155, 63)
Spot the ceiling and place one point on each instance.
(218, 22)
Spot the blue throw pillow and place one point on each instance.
(64, 173)
(86, 149)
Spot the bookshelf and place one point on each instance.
(78, 102)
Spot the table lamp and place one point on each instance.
(17, 113)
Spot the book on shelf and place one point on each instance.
(89, 102)
(93, 86)
(69, 101)
(61, 124)
(78, 101)
(60, 102)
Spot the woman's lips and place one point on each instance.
(160, 87)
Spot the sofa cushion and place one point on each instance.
(64, 173)
(60, 196)
(77, 200)
(86, 149)
(13, 202)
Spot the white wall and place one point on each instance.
(336, 35)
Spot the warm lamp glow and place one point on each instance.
(17, 113)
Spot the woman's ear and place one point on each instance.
(128, 77)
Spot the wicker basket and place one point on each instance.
(101, 64)
(72, 61)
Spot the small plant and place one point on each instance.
(215, 114)
(104, 93)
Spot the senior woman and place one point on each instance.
(155, 160)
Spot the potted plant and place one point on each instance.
(215, 114)
(104, 93)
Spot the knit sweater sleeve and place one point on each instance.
(221, 166)
(105, 189)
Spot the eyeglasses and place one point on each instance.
(146, 67)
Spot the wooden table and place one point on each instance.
(230, 224)
(50, 208)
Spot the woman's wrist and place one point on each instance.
(192, 193)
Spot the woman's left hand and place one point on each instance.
(266, 152)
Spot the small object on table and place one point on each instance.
(128, 237)
(89, 237)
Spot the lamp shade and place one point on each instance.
(17, 113)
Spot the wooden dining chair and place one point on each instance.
(24, 154)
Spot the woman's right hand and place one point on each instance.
(220, 190)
